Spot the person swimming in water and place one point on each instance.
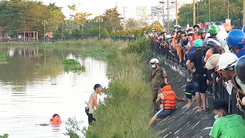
(55, 120)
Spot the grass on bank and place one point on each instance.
(126, 111)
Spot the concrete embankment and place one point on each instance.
(184, 123)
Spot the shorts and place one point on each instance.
(189, 90)
(199, 83)
(162, 113)
(90, 116)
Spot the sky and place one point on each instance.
(98, 7)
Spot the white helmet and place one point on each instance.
(207, 35)
(227, 60)
(154, 60)
(222, 35)
(221, 28)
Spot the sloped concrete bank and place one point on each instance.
(183, 123)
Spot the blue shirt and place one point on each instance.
(190, 52)
(241, 52)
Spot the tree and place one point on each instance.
(218, 12)
(81, 18)
(112, 20)
(19, 15)
(105, 33)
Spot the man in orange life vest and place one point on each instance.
(168, 99)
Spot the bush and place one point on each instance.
(105, 33)
(139, 46)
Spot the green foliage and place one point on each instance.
(4, 136)
(105, 33)
(76, 33)
(218, 12)
(111, 20)
(139, 46)
(71, 65)
(125, 111)
(38, 67)
(34, 15)
(3, 57)
(73, 127)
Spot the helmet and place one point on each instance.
(201, 30)
(240, 68)
(197, 43)
(222, 35)
(227, 60)
(243, 28)
(228, 27)
(154, 60)
(218, 23)
(221, 28)
(209, 53)
(207, 35)
(212, 42)
(212, 61)
(213, 29)
(204, 43)
(236, 38)
(190, 32)
(177, 26)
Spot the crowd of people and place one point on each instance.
(218, 49)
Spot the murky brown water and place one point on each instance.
(31, 95)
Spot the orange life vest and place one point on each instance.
(53, 121)
(169, 101)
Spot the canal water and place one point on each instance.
(33, 87)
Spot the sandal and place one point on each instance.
(206, 109)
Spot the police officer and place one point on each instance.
(159, 77)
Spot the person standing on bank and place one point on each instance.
(159, 77)
(92, 103)
(199, 75)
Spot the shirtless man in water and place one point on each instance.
(92, 103)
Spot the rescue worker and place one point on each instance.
(236, 42)
(159, 77)
(168, 99)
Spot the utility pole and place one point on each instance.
(209, 11)
(162, 2)
(124, 15)
(243, 12)
(168, 12)
(194, 12)
(163, 16)
(44, 30)
(228, 15)
(99, 26)
(176, 12)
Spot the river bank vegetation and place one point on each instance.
(126, 110)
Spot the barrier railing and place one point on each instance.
(54, 39)
(216, 88)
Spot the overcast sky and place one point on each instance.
(97, 7)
